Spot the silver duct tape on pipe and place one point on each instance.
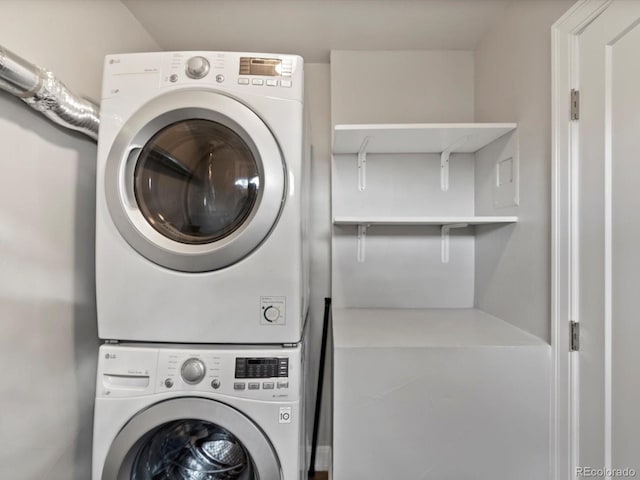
(44, 92)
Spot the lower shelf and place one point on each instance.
(398, 327)
(438, 393)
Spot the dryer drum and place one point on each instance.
(191, 450)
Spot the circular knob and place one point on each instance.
(215, 383)
(168, 383)
(271, 313)
(193, 371)
(197, 67)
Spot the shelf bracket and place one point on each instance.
(444, 170)
(444, 161)
(362, 236)
(445, 230)
(362, 164)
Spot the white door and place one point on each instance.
(607, 252)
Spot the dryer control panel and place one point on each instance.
(140, 74)
(250, 372)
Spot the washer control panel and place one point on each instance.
(249, 372)
(262, 367)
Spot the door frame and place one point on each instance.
(564, 438)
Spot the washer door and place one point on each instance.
(191, 439)
(195, 181)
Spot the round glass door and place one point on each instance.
(192, 450)
(213, 442)
(194, 181)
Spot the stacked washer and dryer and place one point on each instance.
(201, 268)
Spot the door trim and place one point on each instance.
(564, 249)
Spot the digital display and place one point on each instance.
(262, 361)
(268, 67)
(262, 367)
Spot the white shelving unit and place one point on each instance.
(442, 138)
(401, 173)
(418, 367)
(398, 139)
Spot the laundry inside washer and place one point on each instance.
(192, 450)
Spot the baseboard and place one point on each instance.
(323, 458)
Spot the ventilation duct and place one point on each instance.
(41, 90)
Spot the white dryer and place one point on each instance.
(194, 413)
(200, 198)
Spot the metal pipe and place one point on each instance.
(40, 89)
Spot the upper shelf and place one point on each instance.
(417, 137)
(407, 221)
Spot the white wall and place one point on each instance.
(48, 337)
(401, 87)
(513, 83)
(318, 103)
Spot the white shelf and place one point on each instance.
(417, 137)
(445, 223)
(437, 221)
(442, 138)
(414, 328)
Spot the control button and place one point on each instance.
(271, 313)
(239, 386)
(173, 78)
(193, 371)
(257, 81)
(254, 386)
(285, 83)
(283, 384)
(168, 383)
(197, 67)
(219, 78)
(215, 383)
(272, 83)
(267, 385)
(243, 81)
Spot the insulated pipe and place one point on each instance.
(40, 89)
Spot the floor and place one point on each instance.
(320, 476)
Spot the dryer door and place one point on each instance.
(195, 181)
(191, 439)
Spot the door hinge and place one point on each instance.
(575, 336)
(575, 104)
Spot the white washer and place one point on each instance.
(180, 412)
(201, 185)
